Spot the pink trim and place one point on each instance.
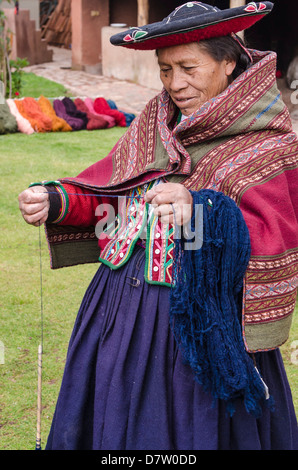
(241, 45)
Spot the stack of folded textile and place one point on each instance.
(23, 124)
(90, 106)
(8, 122)
(30, 110)
(95, 121)
(58, 124)
(28, 115)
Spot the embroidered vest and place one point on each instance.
(134, 224)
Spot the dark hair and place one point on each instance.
(225, 47)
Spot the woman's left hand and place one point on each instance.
(172, 203)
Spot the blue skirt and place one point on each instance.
(125, 386)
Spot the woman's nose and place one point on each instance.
(178, 81)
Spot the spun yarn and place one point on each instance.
(58, 124)
(205, 305)
(94, 121)
(23, 124)
(30, 109)
(7, 120)
(90, 105)
(101, 106)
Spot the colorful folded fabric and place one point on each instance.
(23, 124)
(90, 105)
(30, 115)
(129, 117)
(101, 106)
(58, 124)
(59, 108)
(94, 121)
(72, 111)
(8, 123)
(30, 109)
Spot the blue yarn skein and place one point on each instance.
(205, 304)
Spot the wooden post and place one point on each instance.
(143, 12)
(237, 3)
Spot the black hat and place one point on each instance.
(192, 22)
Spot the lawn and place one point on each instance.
(35, 86)
(25, 159)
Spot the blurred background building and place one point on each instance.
(84, 26)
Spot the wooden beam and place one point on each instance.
(237, 3)
(143, 12)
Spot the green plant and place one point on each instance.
(15, 85)
(5, 45)
(10, 70)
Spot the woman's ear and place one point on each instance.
(230, 66)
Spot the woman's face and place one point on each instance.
(191, 76)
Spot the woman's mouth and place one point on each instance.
(182, 100)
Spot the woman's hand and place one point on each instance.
(172, 203)
(34, 205)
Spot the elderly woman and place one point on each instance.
(176, 343)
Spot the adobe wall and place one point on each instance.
(126, 64)
(26, 42)
(88, 17)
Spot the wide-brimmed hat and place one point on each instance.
(190, 22)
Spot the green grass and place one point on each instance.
(24, 159)
(35, 86)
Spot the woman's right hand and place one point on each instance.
(34, 205)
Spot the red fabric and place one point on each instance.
(98, 174)
(269, 212)
(84, 210)
(101, 106)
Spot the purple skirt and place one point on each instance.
(125, 386)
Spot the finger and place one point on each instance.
(30, 197)
(35, 218)
(40, 222)
(167, 219)
(149, 196)
(38, 189)
(164, 197)
(163, 210)
(155, 191)
(30, 209)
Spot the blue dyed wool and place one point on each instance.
(206, 299)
